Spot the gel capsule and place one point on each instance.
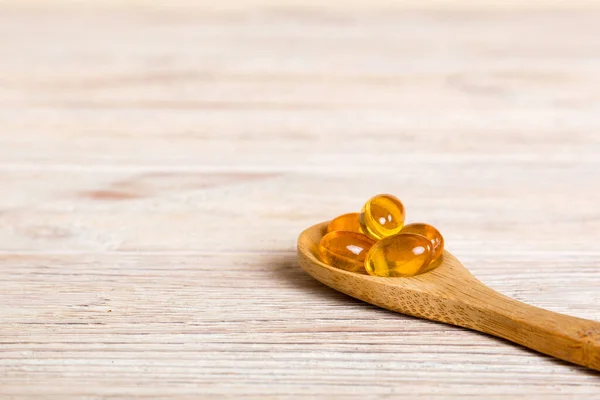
(399, 255)
(346, 222)
(382, 216)
(428, 231)
(345, 250)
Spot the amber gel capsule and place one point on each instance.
(382, 216)
(345, 250)
(434, 236)
(405, 254)
(347, 222)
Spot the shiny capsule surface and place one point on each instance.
(345, 250)
(432, 234)
(399, 255)
(347, 222)
(382, 216)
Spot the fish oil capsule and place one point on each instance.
(347, 222)
(345, 250)
(382, 216)
(405, 254)
(428, 231)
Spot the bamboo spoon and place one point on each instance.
(450, 294)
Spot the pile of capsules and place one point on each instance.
(377, 242)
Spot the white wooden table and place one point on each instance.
(157, 162)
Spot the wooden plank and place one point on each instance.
(216, 212)
(97, 319)
(420, 84)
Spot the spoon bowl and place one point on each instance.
(449, 293)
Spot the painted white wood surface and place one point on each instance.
(157, 162)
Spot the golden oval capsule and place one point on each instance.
(432, 234)
(347, 222)
(382, 216)
(405, 254)
(345, 250)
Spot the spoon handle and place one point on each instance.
(569, 338)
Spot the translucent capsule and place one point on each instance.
(399, 255)
(347, 222)
(434, 236)
(382, 216)
(345, 250)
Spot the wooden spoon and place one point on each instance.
(450, 294)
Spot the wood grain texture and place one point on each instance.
(445, 291)
(157, 164)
